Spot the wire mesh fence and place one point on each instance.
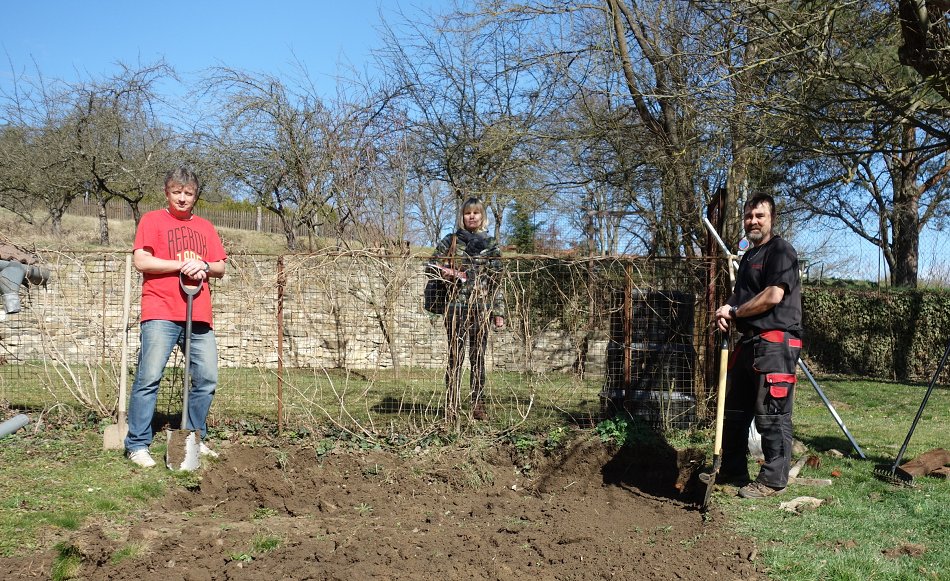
(341, 339)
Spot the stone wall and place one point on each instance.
(354, 310)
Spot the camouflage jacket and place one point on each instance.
(477, 255)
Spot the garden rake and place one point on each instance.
(893, 473)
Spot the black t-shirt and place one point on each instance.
(773, 264)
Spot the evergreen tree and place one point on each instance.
(523, 231)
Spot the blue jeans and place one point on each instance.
(158, 340)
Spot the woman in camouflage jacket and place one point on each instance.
(475, 302)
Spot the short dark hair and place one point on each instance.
(183, 176)
(758, 199)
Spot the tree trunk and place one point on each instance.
(906, 233)
(905, 225)
(290, 232)
(56, 221)
(103, 220)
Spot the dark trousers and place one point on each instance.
(761, 389)
(465, 325)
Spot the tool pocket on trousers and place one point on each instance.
(779, 386)
(769, 356)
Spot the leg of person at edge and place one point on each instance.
(474, 304)
(766, 310)
(17, 267)
(169, 243)
(12, 275)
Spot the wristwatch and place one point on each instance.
(207, 266)
(732, 312)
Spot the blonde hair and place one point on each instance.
(480, 206)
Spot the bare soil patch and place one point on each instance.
(489, 512)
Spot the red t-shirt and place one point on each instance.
(167, 237)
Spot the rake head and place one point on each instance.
(893, 474)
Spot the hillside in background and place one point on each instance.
(81, 233)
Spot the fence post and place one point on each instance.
(627, 327)
(280, 344)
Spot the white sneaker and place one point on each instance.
(142, 458)
(206, 451)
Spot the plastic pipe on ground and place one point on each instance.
(13, 424)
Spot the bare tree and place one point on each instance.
(474, 106)
(99, 138)
(617, 185)
(865, 141)
(39, 151)
(15, 171)
(305, 158)
(268, 144)
(122, 147)
(655, 111)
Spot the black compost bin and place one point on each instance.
(651, 357)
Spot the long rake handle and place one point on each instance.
(920, 411)
(709, 479)
(831, 408)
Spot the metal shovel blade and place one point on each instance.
(113, 437)
(182, 452)
(709, 480)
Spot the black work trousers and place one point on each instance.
(761, 389)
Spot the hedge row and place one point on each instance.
(885, 334)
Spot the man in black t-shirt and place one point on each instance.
(766, 307)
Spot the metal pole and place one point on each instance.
(733, 265)
(627, 330)
(923, 404)
(831, 409)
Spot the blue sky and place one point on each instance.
(83, 39)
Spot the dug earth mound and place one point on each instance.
(585, 511)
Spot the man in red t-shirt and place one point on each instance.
(169, 243)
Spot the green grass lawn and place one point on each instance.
(52, 482)
(404, 400)
(866, 529)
